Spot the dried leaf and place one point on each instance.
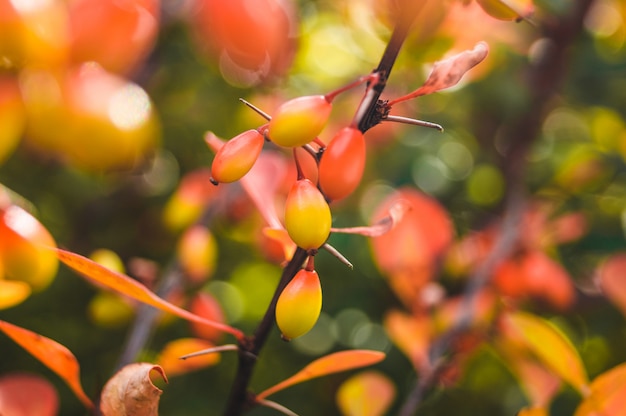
(329, 364)
(448, 72)
(169, 358)
(612, 280)
(52, 354)
(550, 345)
(369, 393)
(132, 288)
(608, 394)
(387, 223)
(27, 395)
(13, 292)
(130, 392)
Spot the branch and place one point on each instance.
(544, 80)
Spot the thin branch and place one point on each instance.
(544, 80)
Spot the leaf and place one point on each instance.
(132, 288)
(130, 392)
(533, 411)
(550, 345)
(369, 393)
(612, 280)
(387, 223)
(608, 394)
(52, 354)
(448, 72)
(412, 334)
(329, 364)
(169, 358)
(27, 395)
(13, 292)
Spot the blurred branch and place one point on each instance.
(544, 78)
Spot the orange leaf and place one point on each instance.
(13, 292)
(131, 392)
(533, 411)
(52, 354)
(412, 334)
(171, 362)
(332, 363)
(27, 395)
(132, 288)
(608, 394)
(366, 394)
(550, 345)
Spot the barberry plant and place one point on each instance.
(482, 237)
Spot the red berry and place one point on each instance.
(342, 164)
(237, 157)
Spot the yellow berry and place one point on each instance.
(307, 215)
(299, 304)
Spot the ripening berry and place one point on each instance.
(307, 215)
(299, 304)
(299, 121)
(237, 156)
(342, 164)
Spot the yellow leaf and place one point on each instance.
(366, 394)
(551, 346)
(329, 364)
(52, 354)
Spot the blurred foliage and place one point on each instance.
(578, 164)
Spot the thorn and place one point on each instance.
(414, 122)
(332, 250)
(256, 109)
(221, 348)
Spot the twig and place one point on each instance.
(544, 80)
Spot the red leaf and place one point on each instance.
(27, 395)
(612, 280)
(448, 72)
(133, 289)
(52, 354)
(366, 394)
(407, 253)
(329, 364)
(131, 392)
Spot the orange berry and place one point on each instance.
(299, 121)
(342, 164)
(307, 215)
(237, 156)
(299, 304)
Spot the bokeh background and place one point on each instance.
(96, 183)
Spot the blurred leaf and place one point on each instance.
(612, 280)
(369, 393)
(13, 292)
(52, 354)
(329, 364)
(130, 392)
(173, 365)
(27, 395)
(412, 334)
(132, 288)
(551, 346)
(534, 411)
(608, 394)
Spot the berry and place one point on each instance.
(342, 164)
(299, 121)
(237, 157)
(307, 215)
(299, 305)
